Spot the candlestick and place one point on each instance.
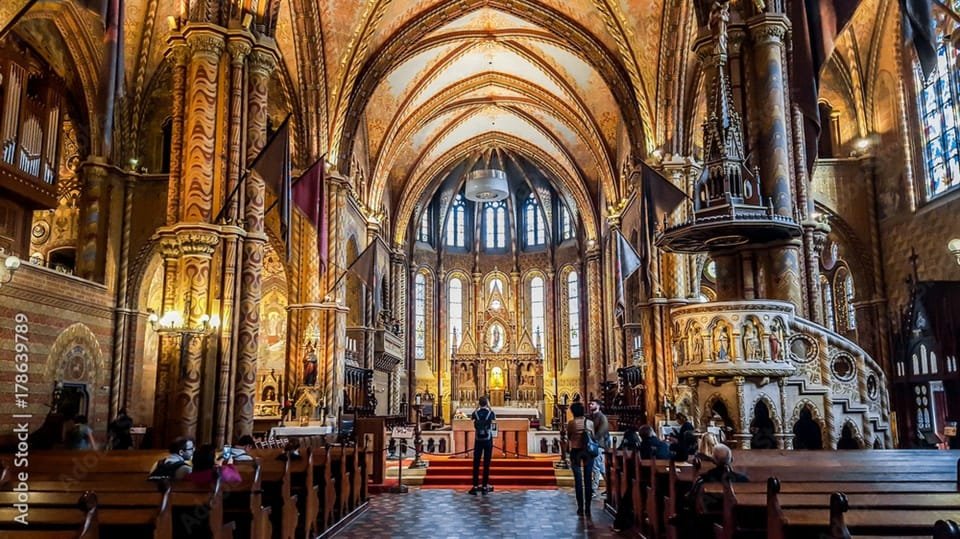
(416, 400)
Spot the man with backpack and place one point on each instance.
(483, 422)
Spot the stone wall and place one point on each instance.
(70, 337)
(927, 230)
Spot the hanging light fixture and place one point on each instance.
(487, 185)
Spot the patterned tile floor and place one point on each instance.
(450, 514)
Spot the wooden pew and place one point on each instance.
(837, 523)
(152, 509)
(81, 523)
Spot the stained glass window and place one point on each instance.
(424, 233)
(826, 292)
(536, 228)
(538, 318)
(455, 311)
(573, 310)
(495, 225)
(938, 96)
(420, 316)
(566, 224)
(456, 223)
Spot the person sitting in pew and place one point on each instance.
(80, 435)
(651, 446)
(206, 468)
(176, 465)
(240, 450)
(705, 449)
(723, 460)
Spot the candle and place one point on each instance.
(417, 399)
(564, 399)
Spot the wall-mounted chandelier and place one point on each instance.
(487, 185)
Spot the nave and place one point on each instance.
(514, 514)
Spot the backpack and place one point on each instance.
(165, 470)
(590, 445)
(483, 426)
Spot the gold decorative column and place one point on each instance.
(261, 64)
(168, 356)
(238, 47)
(179, 55)
(592, 360)
(197, 244)
(335, 328)
(200, 124)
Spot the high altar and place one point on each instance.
(503, 364)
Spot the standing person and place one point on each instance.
(483, 418)
(580, 460)
(119, 431)
(80, 435)
(602, 429)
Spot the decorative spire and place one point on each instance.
(725, 179)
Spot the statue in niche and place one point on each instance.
(495, 338)
(697, 340)
(751, 342)
(777, 340)
(310, 369)
(721, 342)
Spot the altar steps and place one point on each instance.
(504, 473)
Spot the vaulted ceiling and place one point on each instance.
(399, 90)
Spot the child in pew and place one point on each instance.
(206, 468)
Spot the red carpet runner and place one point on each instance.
(504, 473)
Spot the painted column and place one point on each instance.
(168, 352)
(336, 319)
(261, 64)
(399, 273)
(95, 207)
(769, 96)
(200, 125)
(237, 48)
(197, 245)
(179, 55)
(592, 358)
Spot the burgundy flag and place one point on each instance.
(816, 25)
(309, 194)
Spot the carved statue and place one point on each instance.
(751, 342)
(721, 342)
(719, 18)
(697, 339)
(777, 341)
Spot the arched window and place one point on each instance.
(424, 233)
(457, 224)
(826, 291)
(455, 311)
(495, 225)
(851, 310)
(573, 309)
(538, 317)
(420, 316)
(536, 229)
(939, 110)
(566, 224)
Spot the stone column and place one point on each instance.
(262, 63)
(592, 357)
(197, 245)
(179, 55)
(768, 31)
(200, 125)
